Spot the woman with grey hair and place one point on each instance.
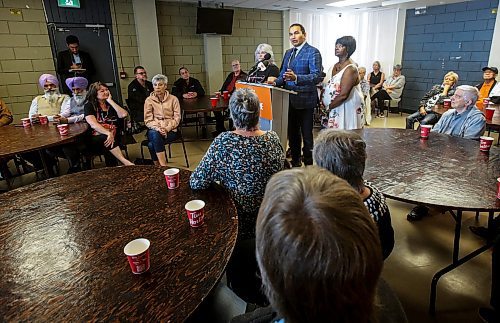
(391, 89)
(242, 161)
(266, 71)
(162, 115)
(344, 154)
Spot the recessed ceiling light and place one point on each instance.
(347, 3)
(393, 2)
(301, 0)
(320, 8)
(276, 5)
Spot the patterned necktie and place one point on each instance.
(292, 57)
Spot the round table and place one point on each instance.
(62, 256)
(443, 171)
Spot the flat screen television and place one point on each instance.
(214, 21)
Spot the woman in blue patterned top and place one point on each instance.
(242, 161)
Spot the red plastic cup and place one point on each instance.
(226, 95)
(498, 188)
(447, 103)
(196, 212)
(214, 101)
(26, 122)
(485, 143)
(424, 131)
(486, 101)
(44, 120)
(63, 129)
(217, 94)
(172, 178)
(488, 113)
(137, 252)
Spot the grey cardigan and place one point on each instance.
(398, 83)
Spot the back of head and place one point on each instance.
(244, 106)
(343, 153)
(317, 248)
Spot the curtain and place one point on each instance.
(375, 34)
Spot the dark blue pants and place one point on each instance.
(157, 141)
(300, 127)
(429, 119)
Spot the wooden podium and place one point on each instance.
(274, 108)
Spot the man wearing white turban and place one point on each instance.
(51, 101)
(72, 110)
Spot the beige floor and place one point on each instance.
(421, 249)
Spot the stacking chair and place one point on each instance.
(394, 104)
(179, 139)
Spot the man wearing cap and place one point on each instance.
(138, 91)
(463, 120)
(74, 62)
(489, 77)
(51, 101)
(72, 110)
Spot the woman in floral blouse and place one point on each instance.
(242, 161)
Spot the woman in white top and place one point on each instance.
(342, 96)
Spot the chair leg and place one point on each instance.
(477, 216)
(126, 151)
(185, 154)
(142, 151)
(169, 151)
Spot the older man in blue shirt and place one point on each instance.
(463, 120)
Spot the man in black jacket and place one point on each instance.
(186, 86)
(74, 62)
(138, 91)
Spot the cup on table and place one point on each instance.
(498, 188)
(424, 131)
(226, 95)
(485, 143)
(486, 101)
(213, 102)
(217, 94)
(172, 178)
(447, 103)
(63, 129)
(196, 212)
(44, 120)
(26, 122)
(137, 252)
(488, 113)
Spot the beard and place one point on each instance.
(79, 98)
(51, 95)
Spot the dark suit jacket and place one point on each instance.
(65, 60)
(137, 94)
(308, 67)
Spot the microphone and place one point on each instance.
(267, 57)
(263, 65)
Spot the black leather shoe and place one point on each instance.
(417, 213)
(489, 315)
(308, 161)
(480, 232)
(296, 163)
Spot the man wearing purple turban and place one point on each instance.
(51, 101)
(72, 110)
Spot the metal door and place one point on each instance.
(96, 40)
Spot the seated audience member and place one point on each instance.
(485, 87)
(79, 62)
(51, 102)
(229, 85)
(242, 161)
(463, 120)
(344, 154)
(162, 115)
(5, 114)
(376, 78)
(319, 253)
(104, 116)
(186, 86)
(138, 91)
(365, 89)
(391, 90)
(436, 95)
(266, 71)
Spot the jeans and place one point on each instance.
(300, 125)
(157, 141)
(429, 119)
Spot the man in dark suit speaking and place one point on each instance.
(74, 62)
(300, 71)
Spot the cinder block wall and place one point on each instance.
(181, 46)
(25, 53)
(455, 37)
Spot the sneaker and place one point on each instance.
(489, 315)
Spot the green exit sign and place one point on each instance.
(69, 3)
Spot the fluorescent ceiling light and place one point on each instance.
(393, 2)
(347, 3)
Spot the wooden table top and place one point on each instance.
(62, 247)
(202, 104)
(16, 139)
(442, 171)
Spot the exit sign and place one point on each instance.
(69, 3)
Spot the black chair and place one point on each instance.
(395, 103)
(179, 139)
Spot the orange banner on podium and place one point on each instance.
(264, 95)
